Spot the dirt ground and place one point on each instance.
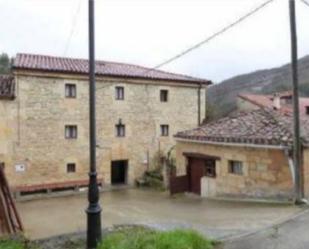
(215, 219)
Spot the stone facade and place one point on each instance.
(32, 127)
(266, 173)
(306, 171)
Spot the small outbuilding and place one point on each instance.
(245, 155)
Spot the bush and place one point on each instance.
(148, 239)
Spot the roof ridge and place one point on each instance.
(50, 56)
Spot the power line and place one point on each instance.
(305, 2)
(74, 23)
(210, 38)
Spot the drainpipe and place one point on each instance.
(205, 102)
(292, 167)
(291, 164)
(199, 105)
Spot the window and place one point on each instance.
(236, 167)
(70, 90)
(164, 130)
(120, 129)
(70, 131)
(307, 110)
(71, 168)
(164, 95)
(210, 166)
(119, 92)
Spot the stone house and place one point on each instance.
(245, 155)
(44, 120)
(281, 100)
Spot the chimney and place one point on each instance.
(276, 101)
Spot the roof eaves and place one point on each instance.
(238, 144)
(189, 81)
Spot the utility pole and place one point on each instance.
(94, 210)
(296, 141)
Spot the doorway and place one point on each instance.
(119, 172)
(197, 169)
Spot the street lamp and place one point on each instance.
(94, 210)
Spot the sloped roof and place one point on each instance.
(266, 101)
(259, 100)
(259, 127)
(103, 68)
(7, 87)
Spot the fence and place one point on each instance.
(10, 221)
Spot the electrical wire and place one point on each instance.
(74, 23)
(207, 40)
(305, 2)
(213, 36)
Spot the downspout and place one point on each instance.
(205, 102)
(292, 168)
(291, 165)
(199, 104)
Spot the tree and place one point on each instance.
(5, 65)
(211, 112)
(304, 89)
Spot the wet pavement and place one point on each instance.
(292, 234)
(215, 219)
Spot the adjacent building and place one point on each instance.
(279, 101)
(245, 155)
(44, 133)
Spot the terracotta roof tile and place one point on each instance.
(261, 127)
(7, 87)
(266, 101)
(103, 68)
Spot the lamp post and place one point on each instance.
(94, 210)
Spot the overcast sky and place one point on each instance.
(146, 32)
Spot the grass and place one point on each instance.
(16, 243)
(126, 238)
(12, 244)
(140, 238)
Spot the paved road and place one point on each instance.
(215, 219)
(292, 234)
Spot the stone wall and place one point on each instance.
(41, 112)
(266, 173)
(306, 171)
(7, 128)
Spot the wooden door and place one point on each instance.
(196, 171)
